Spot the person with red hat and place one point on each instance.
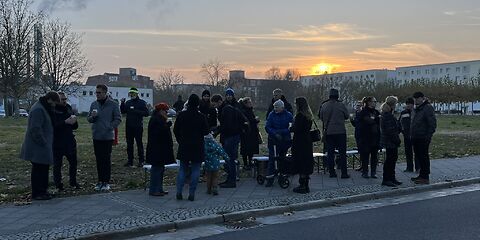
(159, 148)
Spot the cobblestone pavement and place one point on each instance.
(84, 215)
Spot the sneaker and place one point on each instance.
(415, 178)
(98, 186)
(396, 182)
(105, 187)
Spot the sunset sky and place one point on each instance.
(255, 35)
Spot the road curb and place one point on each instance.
(233, 216)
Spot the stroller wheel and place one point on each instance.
(260, 179)
(283, 182)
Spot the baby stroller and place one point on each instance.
(284, 169)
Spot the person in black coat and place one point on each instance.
(278, 95)
(390, 140)
(178, 105)
(159, 148)
(189, 129)
(207, 110)
(404, 121)
(369, 139)
(250, 140)
(302, 146)
(135, 109)
(64, 143)
(231, 100)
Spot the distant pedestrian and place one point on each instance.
(279, 138)
(369, 144)
(390, 140)
(333, 114)
(422, 128)
(213, 153)
(405, 120)
(104, 115)
(278, 95)
(302, 146)
(135, 109)
(179, 104)
(208, 110)
(189, 129)
(64, 143)
(37, 147)
(232, 124)
(159, 148)
(250, 140)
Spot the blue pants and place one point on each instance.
(194, 175)
(156, 179)
(230, 145)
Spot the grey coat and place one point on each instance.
(108, 118)
(38, 144)
(339, 112)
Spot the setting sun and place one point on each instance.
(322, 68)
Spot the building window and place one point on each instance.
(141, 94)
(447, 70)
(148, 94)
(464, 68)
(413, 72)
(84, 93)
(418, 72)
(91, 93)
(405, 73)
(441, 70)
(457, 69)
(116, 94)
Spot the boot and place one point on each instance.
(303, 188)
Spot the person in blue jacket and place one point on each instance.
(279, 139)
(213, 153)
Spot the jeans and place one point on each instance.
(339, 142)
(134, 133)
(156, 179)
(194, 175)
(369, 155)
(230, 145)
(39, 179)
(103, 152)
(420, 147)
(57, 167)
(389, 164)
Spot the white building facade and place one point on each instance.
(85, 95)
(374, 75)
(457, 71)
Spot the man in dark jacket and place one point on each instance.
(404, 120)
(64, 143)
(136, 109)
(178, 105)
(207, 110)
(278, 95)
(423, 125)
(37, 146)
(231, 100)
(232, 123)
(333, 114)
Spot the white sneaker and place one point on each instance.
(98, 186)
(105, 187)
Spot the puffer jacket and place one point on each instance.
(424, 122)
(277, 127)
(389, 129)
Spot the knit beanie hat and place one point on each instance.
(230, 92)
(193, 101)
(278, 104)
(205, 93)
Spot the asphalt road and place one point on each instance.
(453, 217)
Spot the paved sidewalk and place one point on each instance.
(99, 213)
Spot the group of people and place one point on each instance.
(50, 137)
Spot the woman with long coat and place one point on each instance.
(189, 129)
(302, 146)
(369, 136)
(159, 148)
(390, 140)
(250, 139)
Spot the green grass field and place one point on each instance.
(456, 136)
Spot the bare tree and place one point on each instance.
(63, 59)
(292, 74)
(274, 73)
(214, 72)
(16, 31)
(170, 77)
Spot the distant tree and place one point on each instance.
(214, 72)
(292, 74)
(274, 73)
(63, 60)
(16, 43)
(170, 77)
